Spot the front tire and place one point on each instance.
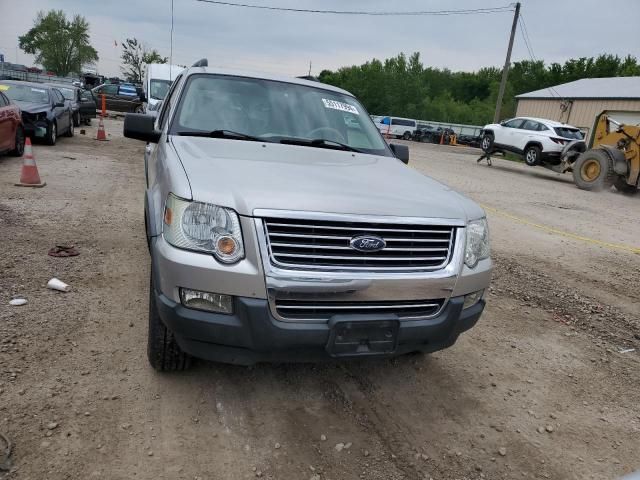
(52, 134)
(487, 143)
(593, 170)
(533, 156)
(138, 109)
(163, 352)
(71, 130)
(623, 187)
(406, 135)
(18, 150)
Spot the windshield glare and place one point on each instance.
(24, 93)
(158, 88)
(275, 111)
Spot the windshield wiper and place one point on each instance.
(222, 134)
(321, 143)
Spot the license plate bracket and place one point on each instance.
(362, 337)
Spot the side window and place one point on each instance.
(109, 89)
(57, 96)
(530, 125)
(542, 127)
(168, 102)
(515, 123)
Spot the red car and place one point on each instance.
(11, 129)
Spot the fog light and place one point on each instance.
(210, 302)
(471, 299)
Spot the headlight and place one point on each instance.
(204, 228)
(477, 247)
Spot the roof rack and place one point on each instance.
(203, 62)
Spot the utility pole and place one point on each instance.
(507, 63)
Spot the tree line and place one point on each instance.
(403, 86)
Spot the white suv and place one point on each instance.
(537, 140)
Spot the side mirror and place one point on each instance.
(401, 152)
(141, 127)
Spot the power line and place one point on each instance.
(527, 42)
(506, 8)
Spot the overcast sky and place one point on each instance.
(281, 42)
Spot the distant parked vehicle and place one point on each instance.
(45, 113)
(157, 80)
(11, 129)
(425, 133)
(537, 140)
(122, 97)
(83, 103)
(397, 127)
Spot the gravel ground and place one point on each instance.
(538, 389)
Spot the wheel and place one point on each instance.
(138, 109)
(76, 119)
(163, 352)
(593, 170)
(532, 156)
(71, 130)
(623, 187)
(19, 148)
(406, 135)
(52, 134)
(487, 143)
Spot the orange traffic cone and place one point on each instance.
(102, 135)
(29, 177)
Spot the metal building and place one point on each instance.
(578, 103)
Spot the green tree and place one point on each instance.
(403, 86)
(60, 45)
(135, 57)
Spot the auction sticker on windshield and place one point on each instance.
(343, 107)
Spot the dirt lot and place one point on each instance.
(539, 389)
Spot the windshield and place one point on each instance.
(25, 93)
(276, 112)
(158, 88)
(67, 93)
(566, 132)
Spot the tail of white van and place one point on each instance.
(157, 80)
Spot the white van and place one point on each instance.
(157, 80)
(397, 127)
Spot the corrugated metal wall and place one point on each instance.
(582, 113)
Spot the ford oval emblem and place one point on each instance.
(367, 243)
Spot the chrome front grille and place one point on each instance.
(323, 310)
(325, 245)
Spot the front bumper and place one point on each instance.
(33, 127)
(253, 335)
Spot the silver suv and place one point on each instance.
(282, 227)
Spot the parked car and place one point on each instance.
(397, 127)
(45, 113)
(122, 97)
(83, 104)
(425, 133)
(11, 129)
(536, 140)
(279, 231)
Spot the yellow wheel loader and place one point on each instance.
(613, 157)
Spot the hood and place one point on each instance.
(32, 107)
(251, 175)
